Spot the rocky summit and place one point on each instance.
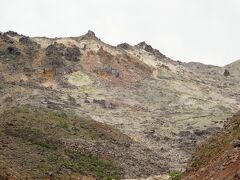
(77, 107)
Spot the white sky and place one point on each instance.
(206, 31)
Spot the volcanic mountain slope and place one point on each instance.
(219, 156)
(162, 105)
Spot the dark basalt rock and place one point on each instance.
(29, 45)
(55, 49)
(124, 46)
(13, 51)
(24, 40)
(11, 33)
(226, 73)
(236, 144)
(90, 34)
(105, 104)
(72, 53)
(57, 54)
(109, 70)
(150, 49)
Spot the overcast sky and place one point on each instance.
(206, 31)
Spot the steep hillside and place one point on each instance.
(219, 156)
(163, 105)
(41, 143)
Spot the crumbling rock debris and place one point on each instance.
(72, 100)
(165, 67)
(53, 104)
(184, 133)
(104, 103)
(109, 70)
(11, 67)
(86, 101)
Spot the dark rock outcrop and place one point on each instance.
(124, 46)
(105, 104)
(56, 56)
(25, 40)
(55, 49)
(90, 34)
(13, 51)
(108, 70)
(226, 73)
(150, 49)
(11, 33)
(72, 53)
(54, 60)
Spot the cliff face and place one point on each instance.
(163, 105)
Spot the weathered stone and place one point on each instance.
(13, 51)
(55, 49)
(184, 133)
(236, 144)
(11, 33)
(25, 40)
(150, 49)
(72, 53)
(226, 73)
(109, 70)
(124, 46)
(104, 103)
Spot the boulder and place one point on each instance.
(226, 73)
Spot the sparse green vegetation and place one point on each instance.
(103, 169)
(22, 109)
(35, 136)
(38, 131)
(175, 175)
(217, 144)
(79, 79)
